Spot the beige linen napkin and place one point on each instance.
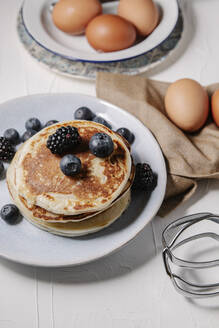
(189, 157)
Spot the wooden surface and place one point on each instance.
(129, 288)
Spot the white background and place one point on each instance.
(130, 288)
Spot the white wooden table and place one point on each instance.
(130, 288)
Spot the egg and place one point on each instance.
(215, 107)
(110, 33)
(143, 14)
(187, 104)
(72, 16)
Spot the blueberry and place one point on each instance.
(83, 113)
(12, 135)
(51, 122)
(10, 213)
(70, 165)
(2, 169)
(101, 145)
(100, 120)
(125, 133)
(27, 135)
(33, 124)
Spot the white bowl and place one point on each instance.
(37, 19)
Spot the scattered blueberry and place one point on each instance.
(101, 145)
(10, 213)
(84, 113)
(6, 150)
(12, 135)
(33, 124)
(145, 179)
(101, 120)
(51, 122)
(70, 165)
(2, 169)
(28, 134)
(127, 134)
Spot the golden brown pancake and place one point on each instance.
(40, 182)
(43, 215)
(73, 229)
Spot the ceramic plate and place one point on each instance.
(23, 242)
(38, 22)
(74, 68)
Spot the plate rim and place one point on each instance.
(121, 244)
(89, 71)
(99, 61)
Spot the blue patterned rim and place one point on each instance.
(88, 70)
(93, 61)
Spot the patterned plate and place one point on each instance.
(37, 18)
(88, 70)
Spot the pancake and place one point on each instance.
(40, 181)
(74, 229)
(43, 215)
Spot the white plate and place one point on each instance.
(27, 244)
(85, 70)
(38, 22)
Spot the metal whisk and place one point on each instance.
(170, 239)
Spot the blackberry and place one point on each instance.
(63, 140)
(6, 150)
(145, 179)
(2, 169)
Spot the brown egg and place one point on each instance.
(72, 16)
(110, 33)
(187, 104)
(215, 107)
(143, 14)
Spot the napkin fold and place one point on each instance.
(189, 157)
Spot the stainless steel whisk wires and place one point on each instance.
(170, 241)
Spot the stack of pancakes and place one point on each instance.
(71, 206)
